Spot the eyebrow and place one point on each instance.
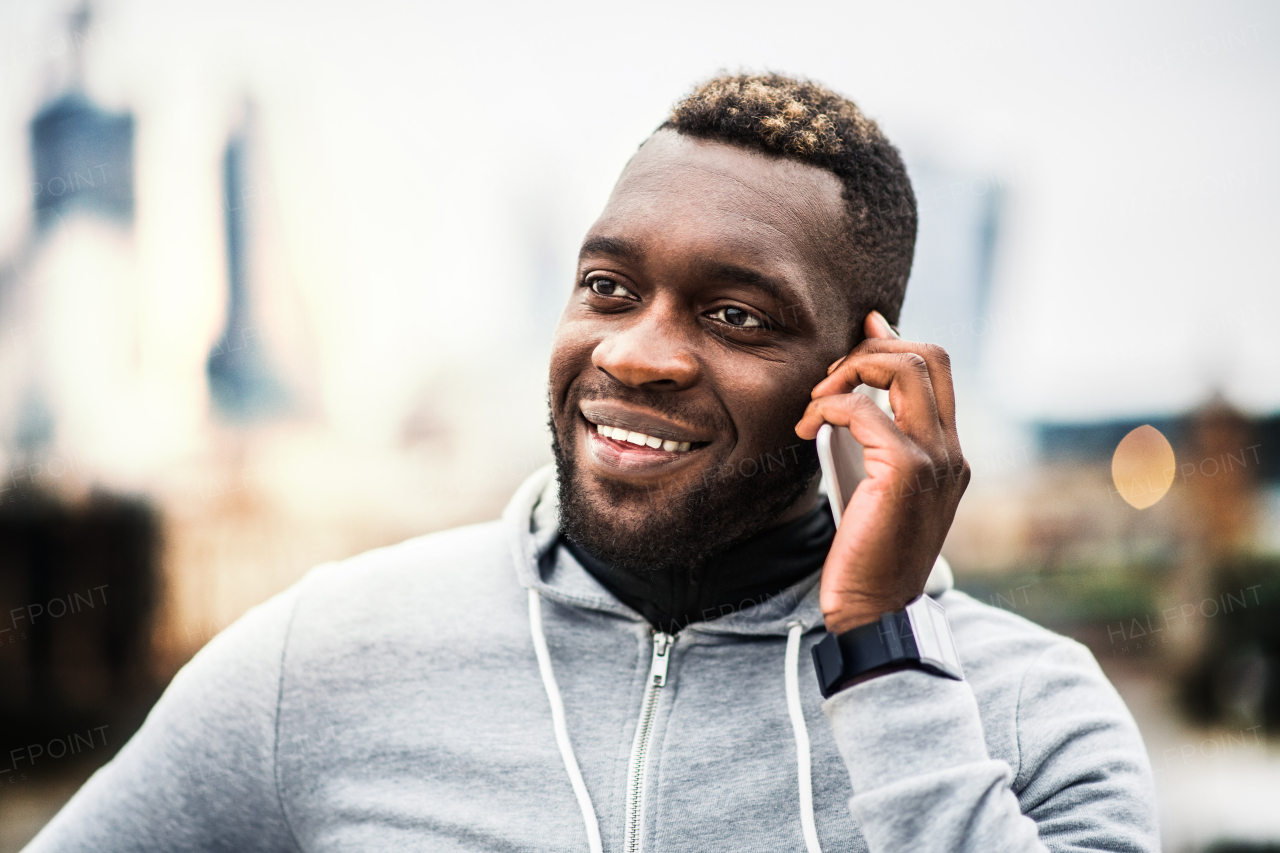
(629, 252)
(749, 277)
(625, 250)
(616, 247)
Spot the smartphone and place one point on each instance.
(842, 467)
(841, 456)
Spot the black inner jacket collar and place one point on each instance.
(747, 574)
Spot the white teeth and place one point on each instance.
(620, 434)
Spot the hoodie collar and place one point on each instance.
(532, 519)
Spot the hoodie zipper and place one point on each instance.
(662, 643)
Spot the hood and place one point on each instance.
(532, 519)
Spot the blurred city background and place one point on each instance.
(277, 284)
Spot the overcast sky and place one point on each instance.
(435, 165)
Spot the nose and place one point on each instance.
(652, 352)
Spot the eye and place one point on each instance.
(737, 318)
(609, 287)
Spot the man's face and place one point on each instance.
(704, 314)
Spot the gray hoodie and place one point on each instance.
(477, 690)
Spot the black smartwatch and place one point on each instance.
(918, 636)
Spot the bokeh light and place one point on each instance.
(1143, 466)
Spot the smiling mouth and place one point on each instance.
(635, 440)
(639, 438)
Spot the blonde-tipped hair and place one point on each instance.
(804, 121)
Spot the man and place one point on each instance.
(622, 663)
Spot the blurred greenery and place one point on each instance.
(1069, 596)
(1236, 679)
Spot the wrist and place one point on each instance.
(840, 623)
(855, 614)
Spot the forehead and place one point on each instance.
(680, 193)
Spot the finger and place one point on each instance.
(939, 370)
(906, 376)
(876, 326)
(939, 364)
(859, 413)
(935, 357)
(889, 456)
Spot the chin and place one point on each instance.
(673, 515)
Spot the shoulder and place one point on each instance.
(1033, 685)
(1048, 710)
(999, 648)
(986, 634)
(423, 594)
(453, 567)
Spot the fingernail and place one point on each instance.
(885, 323)
(839, 361)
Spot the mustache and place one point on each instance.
(669, 404)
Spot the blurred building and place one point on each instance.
(172, 477)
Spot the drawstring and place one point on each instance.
(794, 633)
(557, 721)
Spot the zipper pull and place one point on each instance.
(661, 657)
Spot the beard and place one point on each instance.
(685, 526)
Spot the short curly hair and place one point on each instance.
(804, 121)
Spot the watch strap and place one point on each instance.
(918, 636)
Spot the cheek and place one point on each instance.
(571, 349)
(767, 407)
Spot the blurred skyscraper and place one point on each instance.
(83, 159)
(243, 384)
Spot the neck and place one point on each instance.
(744, 575)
